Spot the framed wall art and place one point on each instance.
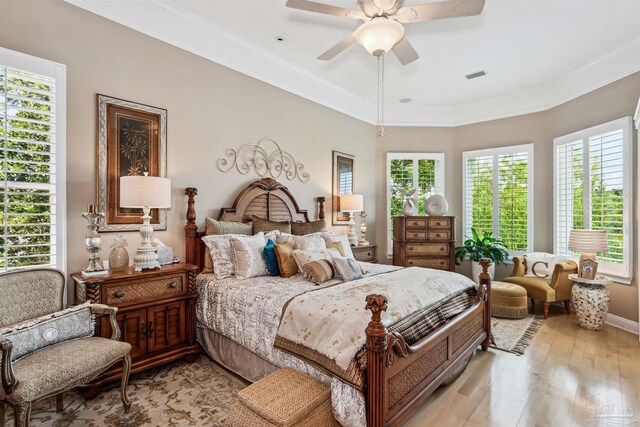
(132, 140)
(343, 165)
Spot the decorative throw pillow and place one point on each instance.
(304, 257)
(310, 242)
(269, 254)
(319, 271)
(301, 228)
(35, 334)
(340, 242)
(286, 263)
(347, 268)
(540, 264)
(214, 227)
(221, 254)
(247, 254)
(265, 225)
(286, 238)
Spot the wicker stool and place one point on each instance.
(285, 398)
(508, 300)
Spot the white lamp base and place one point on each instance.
(146, 257)
(352, 236)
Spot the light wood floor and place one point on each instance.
(568, 376)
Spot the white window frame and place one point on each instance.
(35, 65)
(622, 273)
(495, 153)
(440, 183)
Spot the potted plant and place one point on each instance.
(482, 246)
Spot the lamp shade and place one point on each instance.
(589, 241)
(351, 202)
(379, 35)
(145, 191)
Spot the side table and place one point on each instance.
(591, 300)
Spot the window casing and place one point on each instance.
(424, 171)
(498, 194)
(32, 163)
(593, 188)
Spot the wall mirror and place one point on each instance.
(342, 184)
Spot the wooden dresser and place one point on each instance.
(424, 241)
(156, 315)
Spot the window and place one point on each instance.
(593, 189)
(424, 171)
(498, 194)
(32, 136)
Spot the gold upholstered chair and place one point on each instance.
(558, 288)
(47, 348)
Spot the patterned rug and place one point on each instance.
(515, 335)
(177, 394)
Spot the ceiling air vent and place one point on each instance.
(476, 75)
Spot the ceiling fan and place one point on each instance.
(382, 30)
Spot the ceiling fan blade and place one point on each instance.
(326, 9)
(342, 45)
(439, 10)
(405, 52)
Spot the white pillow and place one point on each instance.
(541, 264)
(343, 240)
(247, 254)
(221, 254)
(304, 257)
(310, 242)
(347, 268)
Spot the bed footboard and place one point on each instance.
(400, 377)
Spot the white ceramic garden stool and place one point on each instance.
(591, 301)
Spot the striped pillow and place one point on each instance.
(319, 271)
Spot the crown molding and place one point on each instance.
(166, 21)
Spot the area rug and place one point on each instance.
(515, 335)
(177, 394)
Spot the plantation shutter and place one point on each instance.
(498, 193)
(593, 187)
(28, 146)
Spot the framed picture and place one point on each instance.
(342, 184)
(132, 140)
(588, 269)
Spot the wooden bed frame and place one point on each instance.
(399, 376)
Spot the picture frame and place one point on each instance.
(588, 269)
(343, 184)
(131, 140)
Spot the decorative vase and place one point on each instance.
(409, 207)
(476, 269)
(436, 205)
(119, 256)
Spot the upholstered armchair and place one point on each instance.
(46, 348)
(558, 288)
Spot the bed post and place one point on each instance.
(485, 280)
(321, 201)
(376, 354)
(191, 229)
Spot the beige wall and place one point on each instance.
(613, 101)
(210, 108)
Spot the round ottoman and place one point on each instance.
(508, 300)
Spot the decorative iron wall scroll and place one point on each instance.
(266, 158)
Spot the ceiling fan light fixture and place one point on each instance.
(379, 35)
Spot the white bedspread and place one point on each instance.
(248, 312)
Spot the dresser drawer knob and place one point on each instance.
(174, 285)
(441, 262)
(415, 234)
(442, 249)
(438, 223)
(416, 223)
(119, 294)
(410, 248)
(437, 234)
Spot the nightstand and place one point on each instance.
(366, 253)
(156, 314)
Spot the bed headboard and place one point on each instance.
(266, 198)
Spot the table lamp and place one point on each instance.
(588, 242)
(146, 192)
(352, 203)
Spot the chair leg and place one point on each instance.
(22, 414)
(567, 306)
(126, 369)
(1, 414)
(546, 310)
(60, 402)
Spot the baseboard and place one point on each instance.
(622, 323)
